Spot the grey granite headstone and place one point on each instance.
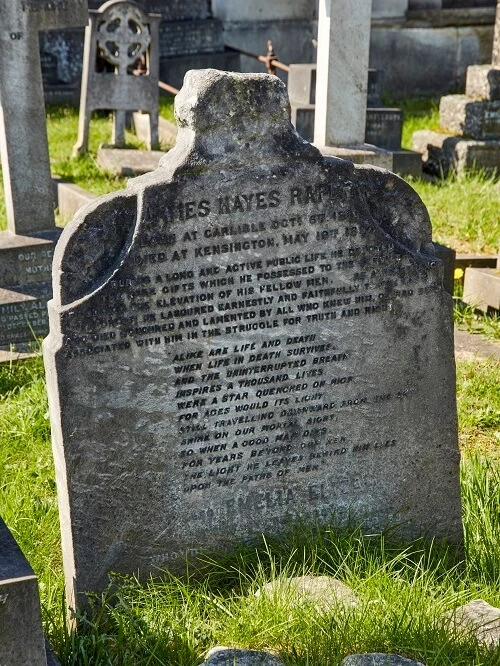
(248, 333)
(26, 248)
(22, 641)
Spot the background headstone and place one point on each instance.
(251, 331)
(22, 642)
(26, 248)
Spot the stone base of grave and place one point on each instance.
(461, 115)
(70, 197)
(167, 131)
(444, 152)
(128, 162)
(363, 154)
(483, 82)
(482, 289)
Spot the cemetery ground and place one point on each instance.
(404, 591)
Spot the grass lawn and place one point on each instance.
(404, 591)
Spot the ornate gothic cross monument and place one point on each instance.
(26, 248)
(120, 69)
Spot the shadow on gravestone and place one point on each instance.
(250, 333)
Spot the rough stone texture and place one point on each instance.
(469, 347)
(250, 332)
(21, 636)
(128, 162)
(325, 592)
(362, 154)
(342, 74)
(482, 288)
(481, 618)
(110, 78)
(443, 152)
(378, 659)
(460, 115)
(222, 656)
(23, 136)
(483, 82)
(384, 127)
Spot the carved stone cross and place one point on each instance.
(23, 134)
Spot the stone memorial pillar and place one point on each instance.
(249, 333)
(26, 248)
(342, 81)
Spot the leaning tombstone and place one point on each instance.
(22, 642)
(26, 247)
(249, 333)
(120, 72)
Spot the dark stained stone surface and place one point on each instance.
(250, 333)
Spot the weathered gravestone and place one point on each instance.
(249, 333)
(22, 641)
(26, 248)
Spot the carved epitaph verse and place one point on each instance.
(250, 332)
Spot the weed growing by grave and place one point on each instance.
(404, 591)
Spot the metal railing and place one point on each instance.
(270, 61)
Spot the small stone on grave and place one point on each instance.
(324, 592)
(480, 618)
(250, 332)
(378, 659)
(222, 656)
